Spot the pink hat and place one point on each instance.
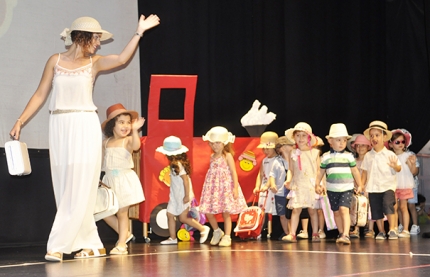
(406, 134)
(361, 139)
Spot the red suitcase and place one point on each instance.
(250, 222)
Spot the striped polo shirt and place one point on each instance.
(338, 170)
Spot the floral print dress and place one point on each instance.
(217, 193)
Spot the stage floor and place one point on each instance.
(364, 257)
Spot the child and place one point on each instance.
(221, 192)
(181, 190)
(399, 143)
(379, 176)
(360, 146)
(267, 190)
(122, 138)
(302, 171)
(341, 171)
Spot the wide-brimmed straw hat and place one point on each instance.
(87, 24)
(115, 110)
(304, 127)
(361, 139)
(268, 140)
(219, 134)
(172, 146)
(377, 124)
(406, 134)
(338, 130)
(320, 142)
(284, 140)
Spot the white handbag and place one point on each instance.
(18, 161)
(106, 202)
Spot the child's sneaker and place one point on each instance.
(392, 235)
(289, 238)
(415, 230)
(381, 235)
(204, 235)
(369, 234)
(400, 229)
(169, 241)
(321, 234)
(225, 241)
(354, 234)
(404, 234)
(303, 235)
(216, 237)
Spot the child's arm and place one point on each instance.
(134, 139)
(357, 177)
(290, 174)
(272, 184)
(412, 164)
(363, 178)
(318, 187)
(258, 182)
(186, 183)
(230, 163)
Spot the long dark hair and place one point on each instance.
(180, 158)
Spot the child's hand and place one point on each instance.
(319, 189)
(263, 189)
(255, 191)
(186, 199)
(359, 190)
(138, 123)
(287, 185)
(411, 160)
(274, 189)
(147, 23)
(235, 193)
(393, 162)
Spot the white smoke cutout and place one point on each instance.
(257, 115)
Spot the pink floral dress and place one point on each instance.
(217, 193)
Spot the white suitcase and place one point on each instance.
(17, 158)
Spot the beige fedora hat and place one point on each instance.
(115, 110)
(338, 130)
(268, 140)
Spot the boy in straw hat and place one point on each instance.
(380, 166)
(340, 169)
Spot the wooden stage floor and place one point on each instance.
(364, 257)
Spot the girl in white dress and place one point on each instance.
(181, 189)
(74, 132)
(122, 131)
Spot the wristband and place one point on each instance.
(19, 119)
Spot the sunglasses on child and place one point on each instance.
(399, 141)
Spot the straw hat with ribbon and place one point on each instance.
(380, 126)
(219, 134)
(87, 24)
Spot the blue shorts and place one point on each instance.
(415, 199)
(280, 204)
(338, 199)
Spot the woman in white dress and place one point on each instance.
(74, 132)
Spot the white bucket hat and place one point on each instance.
(220, 134)
(338, 130)
(172, 146)
(303, 127)
(268, 140)
(87, 24)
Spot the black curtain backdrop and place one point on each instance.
(321, 62)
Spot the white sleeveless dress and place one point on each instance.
(120, 176)
(75, 155)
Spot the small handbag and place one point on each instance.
(18, 161)
(106, 202)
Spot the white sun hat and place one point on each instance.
(219, 134)
(338, 130)
(87, 24)
(172, 146)
(303, 127)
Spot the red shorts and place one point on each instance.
(403, 194)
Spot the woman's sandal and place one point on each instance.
(118, 250)
(54, 256)
(91, 253)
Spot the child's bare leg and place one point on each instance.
(305, 224)
(392, 221)
(403, 207)
(171, 223)
(395, 217)
(314, 220)
(183, 217)
(414, 216)
(345, 219)
(284, 223)
(122, 225)
(338, 220)
(380, 225)
(321, 220)
(227, 223)
(112, 221)
(295, 217)
(212, 221)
